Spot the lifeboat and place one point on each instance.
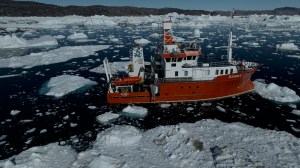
(127, 80)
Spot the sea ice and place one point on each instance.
(61, 54)
(141, 41)
(276, 93)
(106, 118)
(296, 112)
(115, 67)
(64, 84)
(287, 46)
(196, 33)
(120, 135)
(135, 111)
(14, 112)
(77, 36)
(12, 41)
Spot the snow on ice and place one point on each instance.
(64, 84)
(107, 118)
(276, 93)
(12, 41)
(206, 143)
(135, 111)
(61, 54)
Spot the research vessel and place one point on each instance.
(178, 76)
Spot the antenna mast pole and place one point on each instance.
(229, 52)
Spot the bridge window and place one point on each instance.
(222, 71)
(217, 72)
(189, 58)
(194, 57)
(179, 59)
(226, 71)
(173, 65)
(176, 73)
(168, 59)
(231, 71)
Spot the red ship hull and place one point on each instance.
(220, 87)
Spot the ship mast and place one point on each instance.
(229, 51)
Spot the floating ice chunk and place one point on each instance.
(155, 35)
(107, 118)
(92, 107)
(178, 39)
(119, 136)
(165, 105)
(65, 84)
(296, 112)
(287, 46)
(115, 67)
(141, 41)
(43, 131)
(59, 37)
(276, 93)
(14, 112)
(219, 108)
(107, 162)
(42, 41)
(135, 111)
(115, 40)
(32, 130)
(61, 54)
(51, 155)
(294, 56)
(12, 41)
(189, 109)
(196, 33)
(2, 137)
(77, 36)
(125, 58)
(73, 125)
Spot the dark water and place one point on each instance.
(80, 128)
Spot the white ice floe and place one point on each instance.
(51, 156)
(115, 67)
(120, 135)
(221, 109)
(14, 112)
(64, 84)
(12, 41)
(135, 111)
(142, 41)
(287, 46)
(61, 54)
(206, 143)
(276, 93)
(59, 37)
(165, 105)
(76, 36)
(107, 118)
(296, 112)
(196, 33)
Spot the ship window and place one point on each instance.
(189, 57)
(173, 65)
(176, 73)
(231, 71)
(179, 59)
(226, 71)
(173, 59)
(168, 59)
(186, 73)
(217, 72)
(194, 57)
(221, 72)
